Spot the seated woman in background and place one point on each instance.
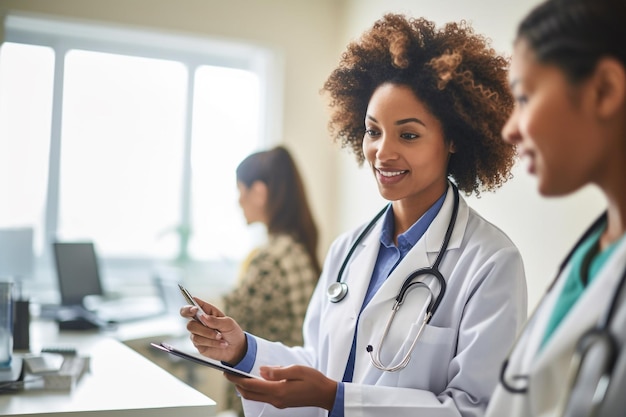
(278, 278)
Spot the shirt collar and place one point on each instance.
(409, 238)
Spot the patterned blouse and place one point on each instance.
(274, 290)
(272, 295)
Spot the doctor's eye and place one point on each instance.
(372, 133)
(521, 100)
(409, 136)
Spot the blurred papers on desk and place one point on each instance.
(52, 371)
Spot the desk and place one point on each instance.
(121, 383)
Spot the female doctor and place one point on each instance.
(420, 105)
(568, 75)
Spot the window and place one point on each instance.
(224, 112)
(26, 77)
(122, 144)
(129, 138)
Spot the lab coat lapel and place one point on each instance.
(548, 369)
(360, 269)
(357, 276)
(416, 258)
(585, 313)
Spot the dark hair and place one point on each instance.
(452, 70)
(574, 34)
(287, 206)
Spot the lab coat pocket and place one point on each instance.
(428, 367)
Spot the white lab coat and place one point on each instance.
(454, 366)
(548, 368)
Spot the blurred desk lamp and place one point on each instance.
(16, 263)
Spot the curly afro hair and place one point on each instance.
(452, 70)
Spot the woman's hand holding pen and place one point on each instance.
(219, 337)
(215, 335)
(290, 386)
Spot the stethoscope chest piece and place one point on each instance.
(337, 291)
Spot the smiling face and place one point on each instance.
(554, 124)
(404, 144)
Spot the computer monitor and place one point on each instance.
(77, 271)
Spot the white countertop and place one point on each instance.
(121, 382)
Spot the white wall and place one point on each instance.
(543, 229)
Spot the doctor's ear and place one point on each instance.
(609, 86)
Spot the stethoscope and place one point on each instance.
(598, 339)
(339, 289)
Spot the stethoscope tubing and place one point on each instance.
(338, 290)
(375, 357)
(433, 302)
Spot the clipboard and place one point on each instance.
(202, 360)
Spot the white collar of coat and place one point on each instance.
(585, 313)
(433, 237)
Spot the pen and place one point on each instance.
(193, 302)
